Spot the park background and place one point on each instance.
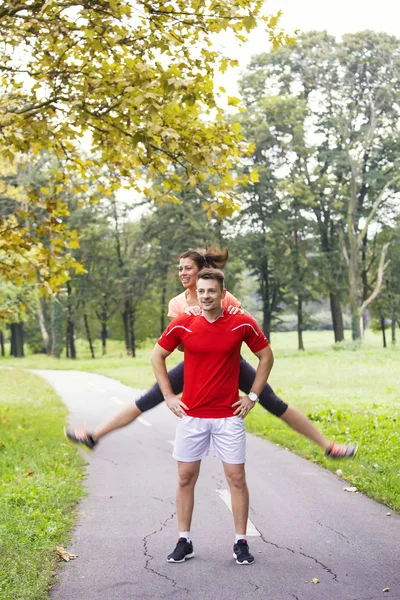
(310, 213)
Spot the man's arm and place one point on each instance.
(265, 364)
(158, 358)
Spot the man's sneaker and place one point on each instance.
(242, 554)
(182, 552)
(341, 451)
(80, 437)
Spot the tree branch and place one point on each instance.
(378, 284)
(375, 208)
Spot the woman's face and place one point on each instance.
(188, 273)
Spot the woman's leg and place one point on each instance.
(273, 404)
(149, 400)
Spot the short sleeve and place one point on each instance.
(174, 308)
(253, 336)
(172, 336)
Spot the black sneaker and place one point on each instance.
(80, 437)
(338, 451)
(183, 551)
(242, 554)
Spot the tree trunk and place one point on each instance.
(88, 335)
(337, 317)
(56, 329)
(104, 335)
(71, 340)
(42, 325)
(125, 322)
(383, 331)
(163, 307)
(132, 330)
(393, 328)
(300, 323)
(17, 340)
(70, 325)
(2, 343)
(266, 327)
(354, 300)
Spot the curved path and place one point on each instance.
(303, 524)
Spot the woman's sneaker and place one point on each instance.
(80, 437)
(242, 554)
(341, 450)
(183, 551)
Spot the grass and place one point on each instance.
(349, 393)
(40, 483)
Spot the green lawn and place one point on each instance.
(349, 394)
(40, 483)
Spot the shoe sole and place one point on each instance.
(244, 562)
(171, 560)
(79, 444)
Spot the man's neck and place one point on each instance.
(213, 315)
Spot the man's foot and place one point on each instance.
(80, 437)
(242, 554)
(182, 552)
(341, 450)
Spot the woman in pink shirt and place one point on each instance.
(190, 263)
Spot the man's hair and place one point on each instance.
(215, 274)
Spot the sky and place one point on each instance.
(336, 16)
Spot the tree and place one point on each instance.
(135, 78)
(351, 91)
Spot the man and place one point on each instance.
(212, 343)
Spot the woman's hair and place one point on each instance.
(204, 258)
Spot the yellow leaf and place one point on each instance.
(254, 176)
(233, 101)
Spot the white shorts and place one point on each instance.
(194, 434)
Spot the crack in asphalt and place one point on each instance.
(327, 569)
(256, 587)
(149, 557)
(341, 535)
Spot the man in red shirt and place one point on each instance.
(212, 343)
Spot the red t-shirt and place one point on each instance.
(212, 359)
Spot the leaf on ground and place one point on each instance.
(350, 489)
(62, 553)
(315, 580)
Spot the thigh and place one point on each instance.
(192, 439)
(229, 439)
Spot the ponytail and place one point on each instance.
(212, 257)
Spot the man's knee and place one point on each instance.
(187, 477)
(236, 478)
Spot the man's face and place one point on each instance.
(209, 294)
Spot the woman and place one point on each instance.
(190, 263)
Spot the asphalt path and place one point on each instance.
(303, 525)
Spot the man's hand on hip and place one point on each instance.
(176, 405)
(244, 406)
